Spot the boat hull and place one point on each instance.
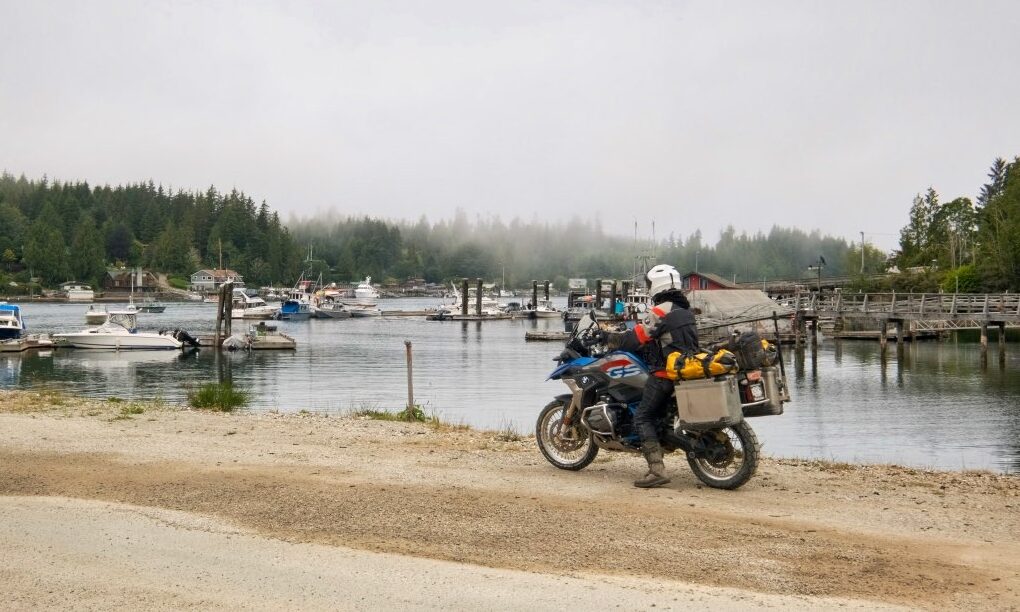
(93, 340)
(362, 313)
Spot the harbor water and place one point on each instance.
(933, 406)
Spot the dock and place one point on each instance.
(546, 336)
(19, 345)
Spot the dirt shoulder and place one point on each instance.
(801, 529)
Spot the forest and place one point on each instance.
(57, 231)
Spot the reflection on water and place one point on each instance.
(927, 405)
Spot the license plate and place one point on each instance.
(757, 392)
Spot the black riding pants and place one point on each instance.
(651, 409)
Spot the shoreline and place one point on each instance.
(815, 531)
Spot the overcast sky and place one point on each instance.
(699, 115)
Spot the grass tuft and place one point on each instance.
(221, 397)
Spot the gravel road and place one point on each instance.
(174, 508)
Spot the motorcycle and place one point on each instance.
(605, 390)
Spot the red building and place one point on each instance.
(706, 281)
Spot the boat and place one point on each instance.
(78, 292)
(298, 305)
(12, 325)
(364, 311)
(151, 305)
(364, 294)
(96, 315)
(120, 332)
(329, 308)
(545, 310)
(244, 306)
(211, 299)
(193, 297)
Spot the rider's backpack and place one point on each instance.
(750, 350)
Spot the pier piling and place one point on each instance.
(598, 294)
(478, 297)
(410, 383)
(464, 297)
(984, 342)
(547, 291)
(899, 333)
(534, 293)
(883, 336)
(1002, 342)
(612, 298)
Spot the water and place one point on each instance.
(934, 407)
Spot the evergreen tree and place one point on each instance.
(87, 252)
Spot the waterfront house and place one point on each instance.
(706, 281)
(211, 280)
(122, 279)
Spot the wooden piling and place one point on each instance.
(598, 294)
(984, 341)
(534, 294)
(899, 333)
(1002, 342)
(796, 331)
(612, 298)
(464, 297)
(814, 334)
(478, 297)
(228, 308)
(546, 284)
(410, 382)
(883, 336)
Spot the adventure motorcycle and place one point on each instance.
(606, 388)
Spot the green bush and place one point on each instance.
(221, 397)
(964, 277)
(177, 282)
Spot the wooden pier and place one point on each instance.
(911, 314)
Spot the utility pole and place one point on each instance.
(862, 253)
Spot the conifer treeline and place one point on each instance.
(64, 231)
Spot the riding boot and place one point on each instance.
(656, 476)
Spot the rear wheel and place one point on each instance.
(568, 448)
(732, 457)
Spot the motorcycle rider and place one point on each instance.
(668, 326)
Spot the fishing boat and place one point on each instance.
(12, 325)
(298, 305)
(244, 306)
(119, 332)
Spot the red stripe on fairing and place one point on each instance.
(658, 312)
(641, 334)
(613, 364)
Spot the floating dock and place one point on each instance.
(19, 345)
(546, 336)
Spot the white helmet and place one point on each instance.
(662, 278)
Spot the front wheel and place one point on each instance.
(567, 448)
(731, 457)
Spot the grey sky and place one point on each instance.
(809, 114)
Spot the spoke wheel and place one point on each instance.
(568, 448)
(731, 458)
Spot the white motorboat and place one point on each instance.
(96, 315)
(364, 294)
(332, 309)
(12, 325)
(119, 332)
(545, 310)
(151, 305)
(365, 311)
(244, 306)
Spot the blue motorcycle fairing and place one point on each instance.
(579, 362)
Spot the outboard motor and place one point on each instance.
(185, 338)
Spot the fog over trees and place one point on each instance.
(62, 231)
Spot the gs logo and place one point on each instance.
(621, 368)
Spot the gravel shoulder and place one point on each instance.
(800, 534)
